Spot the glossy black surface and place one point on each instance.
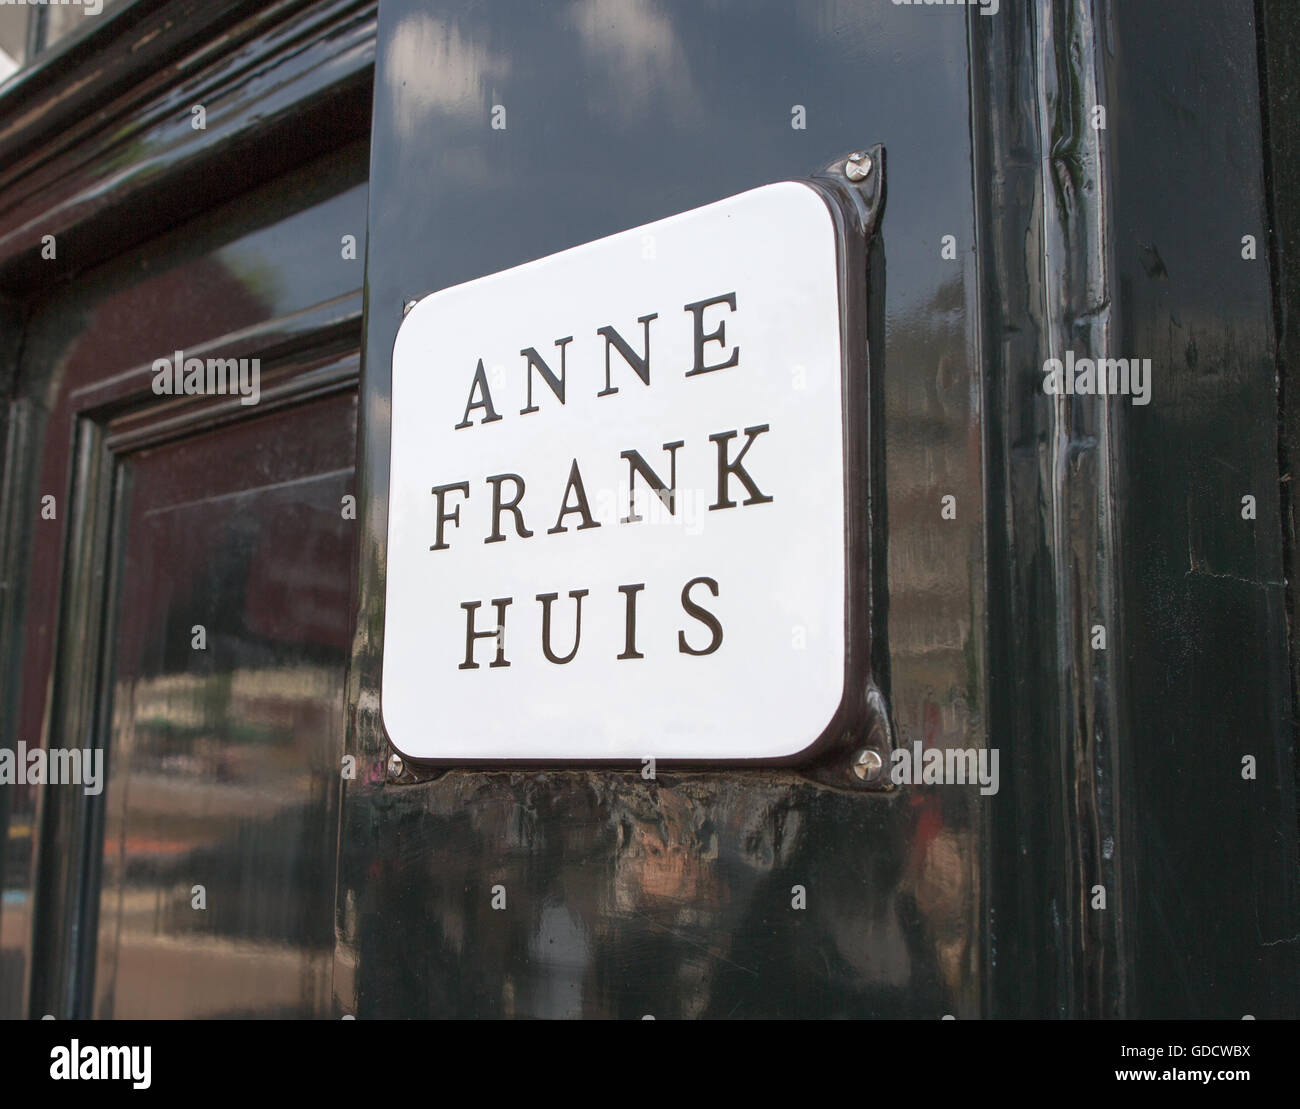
(374, 896)
(223, 763)
(1093, 512)
(103, 162)
(675, 898)
(1043, 181)
(1126, 764)
(1214, 902)
(1280, 55)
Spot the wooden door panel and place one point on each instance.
(174, 512)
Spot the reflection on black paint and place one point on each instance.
(225, 759)
(628, 897)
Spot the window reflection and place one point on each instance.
(62, 20)
(13, 38)
(28, 30)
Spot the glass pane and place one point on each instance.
(225, 751)
(62, 20)
(13, 37)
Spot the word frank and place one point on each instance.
(574, 501)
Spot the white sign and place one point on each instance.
(616, 517)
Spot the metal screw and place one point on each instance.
(867, 764)
(406, 308)
(858, 166)
(394, 765)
